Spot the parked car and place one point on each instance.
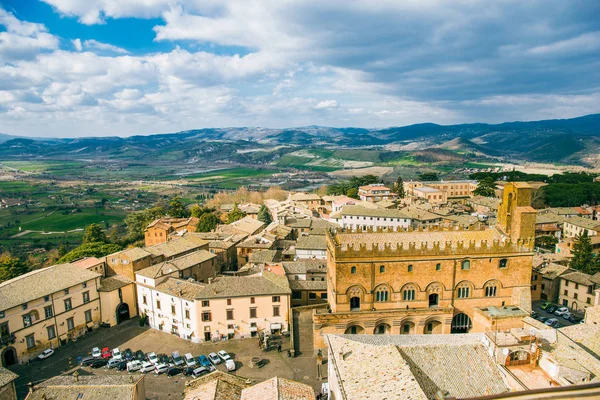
(204, 362)
(99, 363)
(545, 305)
(128, 354)
(187, 371)
(45, 354)
(551, 309)
(177, 360)
(161, 369)
(87, 361)
(190, 361)
(164, 359)
(223, 355)
(172, 371)
(96, 352)
(140, 356)
(551, 322)
(567, 315)
(574, 319)
(200, 371)
(147, 366)
(121, 366)
(152, 358)
(112, 363)
(534, 315)
(230, 365)
(214, 358)
(106, 353)
(543, 319)
(133, 366)
(116, 354)
(561, 311)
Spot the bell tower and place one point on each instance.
(516, 217)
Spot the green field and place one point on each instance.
(58, 222)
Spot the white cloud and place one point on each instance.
(77, 44)
(23, 40)
(94, 44)
(326, 104)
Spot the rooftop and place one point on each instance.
(179, 288)
(586, 335)
(246, 225)
(503, 312)
(178, 246)
(113, 283)
(87, 262)
(586, 223)
(40, 283)
(87, 387)
(278, 389)
(372, 212)
(132, 254)
(427, 189)
(374, 187)
(311, 242)
(305, 197)
(264, 256)
(578, 277)
(420, 214)
(216, 386)
(266, 283)
(6, 377)
(308, 285)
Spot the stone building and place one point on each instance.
(429, 281)
(158, 231)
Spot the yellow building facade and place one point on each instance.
(428, 281)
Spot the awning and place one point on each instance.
(231, 331)
(253, 329)
(275, 326)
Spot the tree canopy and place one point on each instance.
(486, 187)
(584, 259)
(91, 249)
(177, 208)
(235, 215)
(264, 215)
(11, 267)
(429, 176)
(207, 223)
(138, 221)
(399, 188)
(352, 185)
(94, 233)
(197, 211)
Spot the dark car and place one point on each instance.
(534, 314)
(128, 354)
(164, 359)
(551, 309)
(87, 361)
(122, 366)
(140, 356)
(203, 361)
(543, 319)
(173, 371)
(99, 363)
(574, 319)
(187, 371)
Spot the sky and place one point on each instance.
(73, 68)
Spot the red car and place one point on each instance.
(106, 353)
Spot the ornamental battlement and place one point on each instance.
(424, 242)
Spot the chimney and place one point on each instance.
(76, 376)
(30, 386)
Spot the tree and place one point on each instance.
(138, 221)
(352, 192)
(11, 267)
(546, 242)
(429, 176)
(207, 223)
(583, 258)
(91, 249)
(486, 187)
(94, 233)
(62, 250)
(235, 215)
(264, 215)
(197, 211)
(399, 188)
(177, 208)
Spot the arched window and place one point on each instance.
(410, 268)
(503, 263)
(381, 269)
(466, 264)
(382, 294)
(463, 290)
(409, 293)
(353, 270)
(490, 291)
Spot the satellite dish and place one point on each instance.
(505, 351)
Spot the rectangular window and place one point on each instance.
(589, 300)
(323, 296)
(48, 312)
(88, 316)
(30, 339)
(26, 320)
(410, 268)
(253, 313)
(576, 286)
(173, 309)
(158, 304)
(463, 292)
(70, 324)
(575, 296)
(229, 314)
(408, 295)
(86, 297)
(276, 311)
(51, 332)
(252, 300)
(296, 295)
(228, 302)
(84, 285)
(66, 291)
(534, 287)
(206, 316)
(205, 303)
(276, 299)
(68, 305)
(24, 306)
(438, 266)
(144, 299)
(312, 296)
(187, 314)
(566, 292)
(46, 298)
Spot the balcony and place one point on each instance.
(7, 340)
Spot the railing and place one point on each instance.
(7, 340)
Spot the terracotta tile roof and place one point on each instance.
(372, 212)
(87, 262)
(578, 277)
(581, 222)
(551, 270)
(174, 247)
(180, 288)
(177, 264)
(308, 285)
(88, 387)
(132, 254)
(41, 282)
(113, 283)
(266, 283)
(302, 266)
(6, 377)
(586, 335)
(216, 386)
(311, 242)
(264, 256)
(278, 389)
(247, 225)
(305, 197)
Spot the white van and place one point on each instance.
(147, 367)
(161, 369)
(189, 360)
(133, 366)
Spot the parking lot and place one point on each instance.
(130, 335)
(536, 307)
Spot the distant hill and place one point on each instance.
(560, 140)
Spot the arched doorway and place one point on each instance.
(519, 357)
(574, 305)
(354, 330)
(382, 329)
(122, 312)
(9, 356)
(433, 299)
(407, 328)
(432, 327)
(461, 323)
(355, 304)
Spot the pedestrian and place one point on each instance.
(279, 348)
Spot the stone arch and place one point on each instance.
(408, 326)
(416, 286)
(493, 281)
(433, 325)
(518, 357)
(354, 328)
(9, 356)
(464, 289)
(382, 293)
(461, 323)
(383, 327)
(491, 287)
(435, 293)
